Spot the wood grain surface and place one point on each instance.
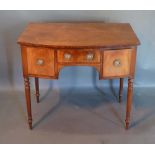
(49, 47)
(79, 56)
(110, 56)
(78, 35)
(44, 54)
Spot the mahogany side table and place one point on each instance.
(48, 47)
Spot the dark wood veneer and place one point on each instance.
(48, 47)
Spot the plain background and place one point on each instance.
(85, 111)
(12, 23)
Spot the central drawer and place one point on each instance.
(78, 56)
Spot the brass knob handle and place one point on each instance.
(40, 62)
(67, 56)
(117, 62)
(90, 56)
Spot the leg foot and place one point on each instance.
(30, 124)
(127, 125)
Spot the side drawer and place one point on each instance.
(40, 61)
(117, 63)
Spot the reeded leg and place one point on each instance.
(120, 89)
(129, 101)
(37, 89)
(28, 100)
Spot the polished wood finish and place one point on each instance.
(129, 101)
(28, 100)
(49, 47)
(37, 89)
(45, 55)
(121, 90)
(24, 60)
(79, 56)
(133, 62)
(109, 67)
(79, 35)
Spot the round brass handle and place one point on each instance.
(117, 62)
(40, 62)
(67, 56)
(90, 56)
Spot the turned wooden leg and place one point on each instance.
(121, 90)
(37, 89)
(28, 100)
(129, 101)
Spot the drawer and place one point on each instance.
(79, 56)
(40, 61)
(116, 62)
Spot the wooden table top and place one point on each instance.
(79, 35)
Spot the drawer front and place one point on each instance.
(40, 61)
(79, 56)
(116, 62)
